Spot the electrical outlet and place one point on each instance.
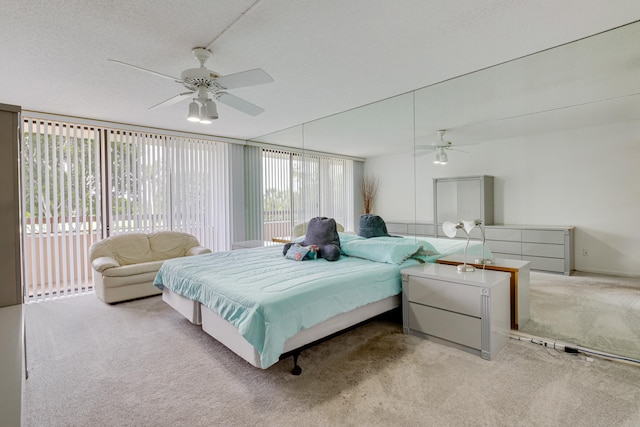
(585, 252)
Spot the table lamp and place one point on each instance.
(450, 228)
(482, 260)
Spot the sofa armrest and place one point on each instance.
(197, 250)
(102, 263)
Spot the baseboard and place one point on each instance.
(608, 273)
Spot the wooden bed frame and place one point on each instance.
(228, 335)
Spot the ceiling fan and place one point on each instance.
(439, 148)
(205, 87)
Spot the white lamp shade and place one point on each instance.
(204, 118)
(194, 112)
(443, 158)
(212, 110)
(449, 228)
(468, 225)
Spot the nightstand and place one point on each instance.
(520, 272)
(469, 311)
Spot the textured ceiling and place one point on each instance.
(325, 56)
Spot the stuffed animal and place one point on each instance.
(322, 232)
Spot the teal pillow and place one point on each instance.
(349, 237)
(426, 248)
(390, 250)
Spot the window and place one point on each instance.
(298, 187)
(83, 183)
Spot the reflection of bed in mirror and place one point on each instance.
(539, 133)
(263, 306)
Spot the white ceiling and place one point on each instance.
(325, 56)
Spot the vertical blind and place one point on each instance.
(60, 206)
(253, 193)
(298, 187)
(81, 184)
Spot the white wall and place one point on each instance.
(588, 178)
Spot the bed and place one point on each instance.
(263, 306)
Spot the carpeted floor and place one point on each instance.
(141, 364)
(589, 310)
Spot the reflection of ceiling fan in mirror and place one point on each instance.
(439, 148)
(206, 87)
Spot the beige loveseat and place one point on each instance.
(126, 265)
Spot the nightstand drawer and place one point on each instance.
(465, 330)
(450, 296)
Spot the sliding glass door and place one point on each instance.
(60, 171)
(298, 187)
(82, 183)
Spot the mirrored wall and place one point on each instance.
(502, 120)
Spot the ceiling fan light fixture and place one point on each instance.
(194, 112)
(212, 110)
(204, 116)
(443, 158)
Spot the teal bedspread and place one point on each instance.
(270, 298)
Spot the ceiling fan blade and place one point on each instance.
(238, 103)
(426, 147)
(135, 67)
(459, 151)
(172, 100)
(253, 77)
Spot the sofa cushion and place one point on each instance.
(171, 244)
(127, 249)
(133, 269)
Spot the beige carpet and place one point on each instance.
(141, 364)
(590, 310)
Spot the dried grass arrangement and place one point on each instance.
(368, 190)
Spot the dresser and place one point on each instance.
(468, 311)
(547, 248)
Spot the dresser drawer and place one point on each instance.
(504, 247)
(543, 236)
(454, 297)
(458, 328)
(397, 227)
(510, 234)
(420, 229)
(545, 264)
(505, 255)
(544, 250)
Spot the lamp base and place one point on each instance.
(464, 268)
